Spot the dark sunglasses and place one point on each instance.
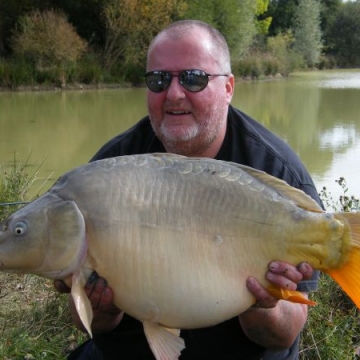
(191, 80)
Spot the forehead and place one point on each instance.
(189, 50)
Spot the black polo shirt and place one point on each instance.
(246, 142)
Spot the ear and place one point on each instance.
(230, 87)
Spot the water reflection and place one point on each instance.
(316, 113)
(321, 123)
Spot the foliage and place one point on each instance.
(86, 17)
(280, 46)
(131, 25)
(345, 203)
(119, 31)
(235, 19)
(333, 327)
(47, 39)
(16, 72)
(10, 12)
(263, 22)
(283, 15)
(15, 182)
(345, 34)
(328, 13)
(307, 33)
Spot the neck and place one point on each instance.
(192, 150)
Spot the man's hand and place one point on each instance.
(106, 315)
(272, 323)
(282, 275)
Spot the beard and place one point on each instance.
(194, 139)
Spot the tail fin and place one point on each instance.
(348, 276)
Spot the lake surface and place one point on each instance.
(317, 113)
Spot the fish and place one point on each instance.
(176, 238)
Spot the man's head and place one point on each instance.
(188, 118)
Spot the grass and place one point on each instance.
(35, 322)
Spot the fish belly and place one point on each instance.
(186, 274)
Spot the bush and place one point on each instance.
(49, 41)
(280, 46)
(327, 62)
(16, 71)
(90, 71)
(249, 67)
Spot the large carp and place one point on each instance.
(176, 239)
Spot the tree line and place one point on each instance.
(105, 41)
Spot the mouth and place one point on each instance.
(178, 112)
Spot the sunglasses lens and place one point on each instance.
(193, 80)
(157, 81)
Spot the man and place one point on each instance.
(190, 90)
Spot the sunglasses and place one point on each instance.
(191, 80)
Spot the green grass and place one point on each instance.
(35, 322)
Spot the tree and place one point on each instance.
(130, 26)
(10, 11)
(329, 10)
(86, 16)
(235, 19)
(263, 22)
(345, 32)
(282, 14)
(307, 33)
(47, 39)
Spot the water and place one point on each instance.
(317, 113)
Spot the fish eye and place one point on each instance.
(20, 228)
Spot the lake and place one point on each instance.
(317, 113)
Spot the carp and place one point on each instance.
(176, 238)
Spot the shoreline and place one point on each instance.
(103, 86)
(67, 87)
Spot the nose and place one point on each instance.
(175, 91)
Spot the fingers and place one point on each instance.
(282, 275)
(61, 287)
(263, 298)
(100, 295)
(306, 270)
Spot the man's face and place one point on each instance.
(189, 123)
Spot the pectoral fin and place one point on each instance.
(81, 300)
(289, 295)
(164, 343)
